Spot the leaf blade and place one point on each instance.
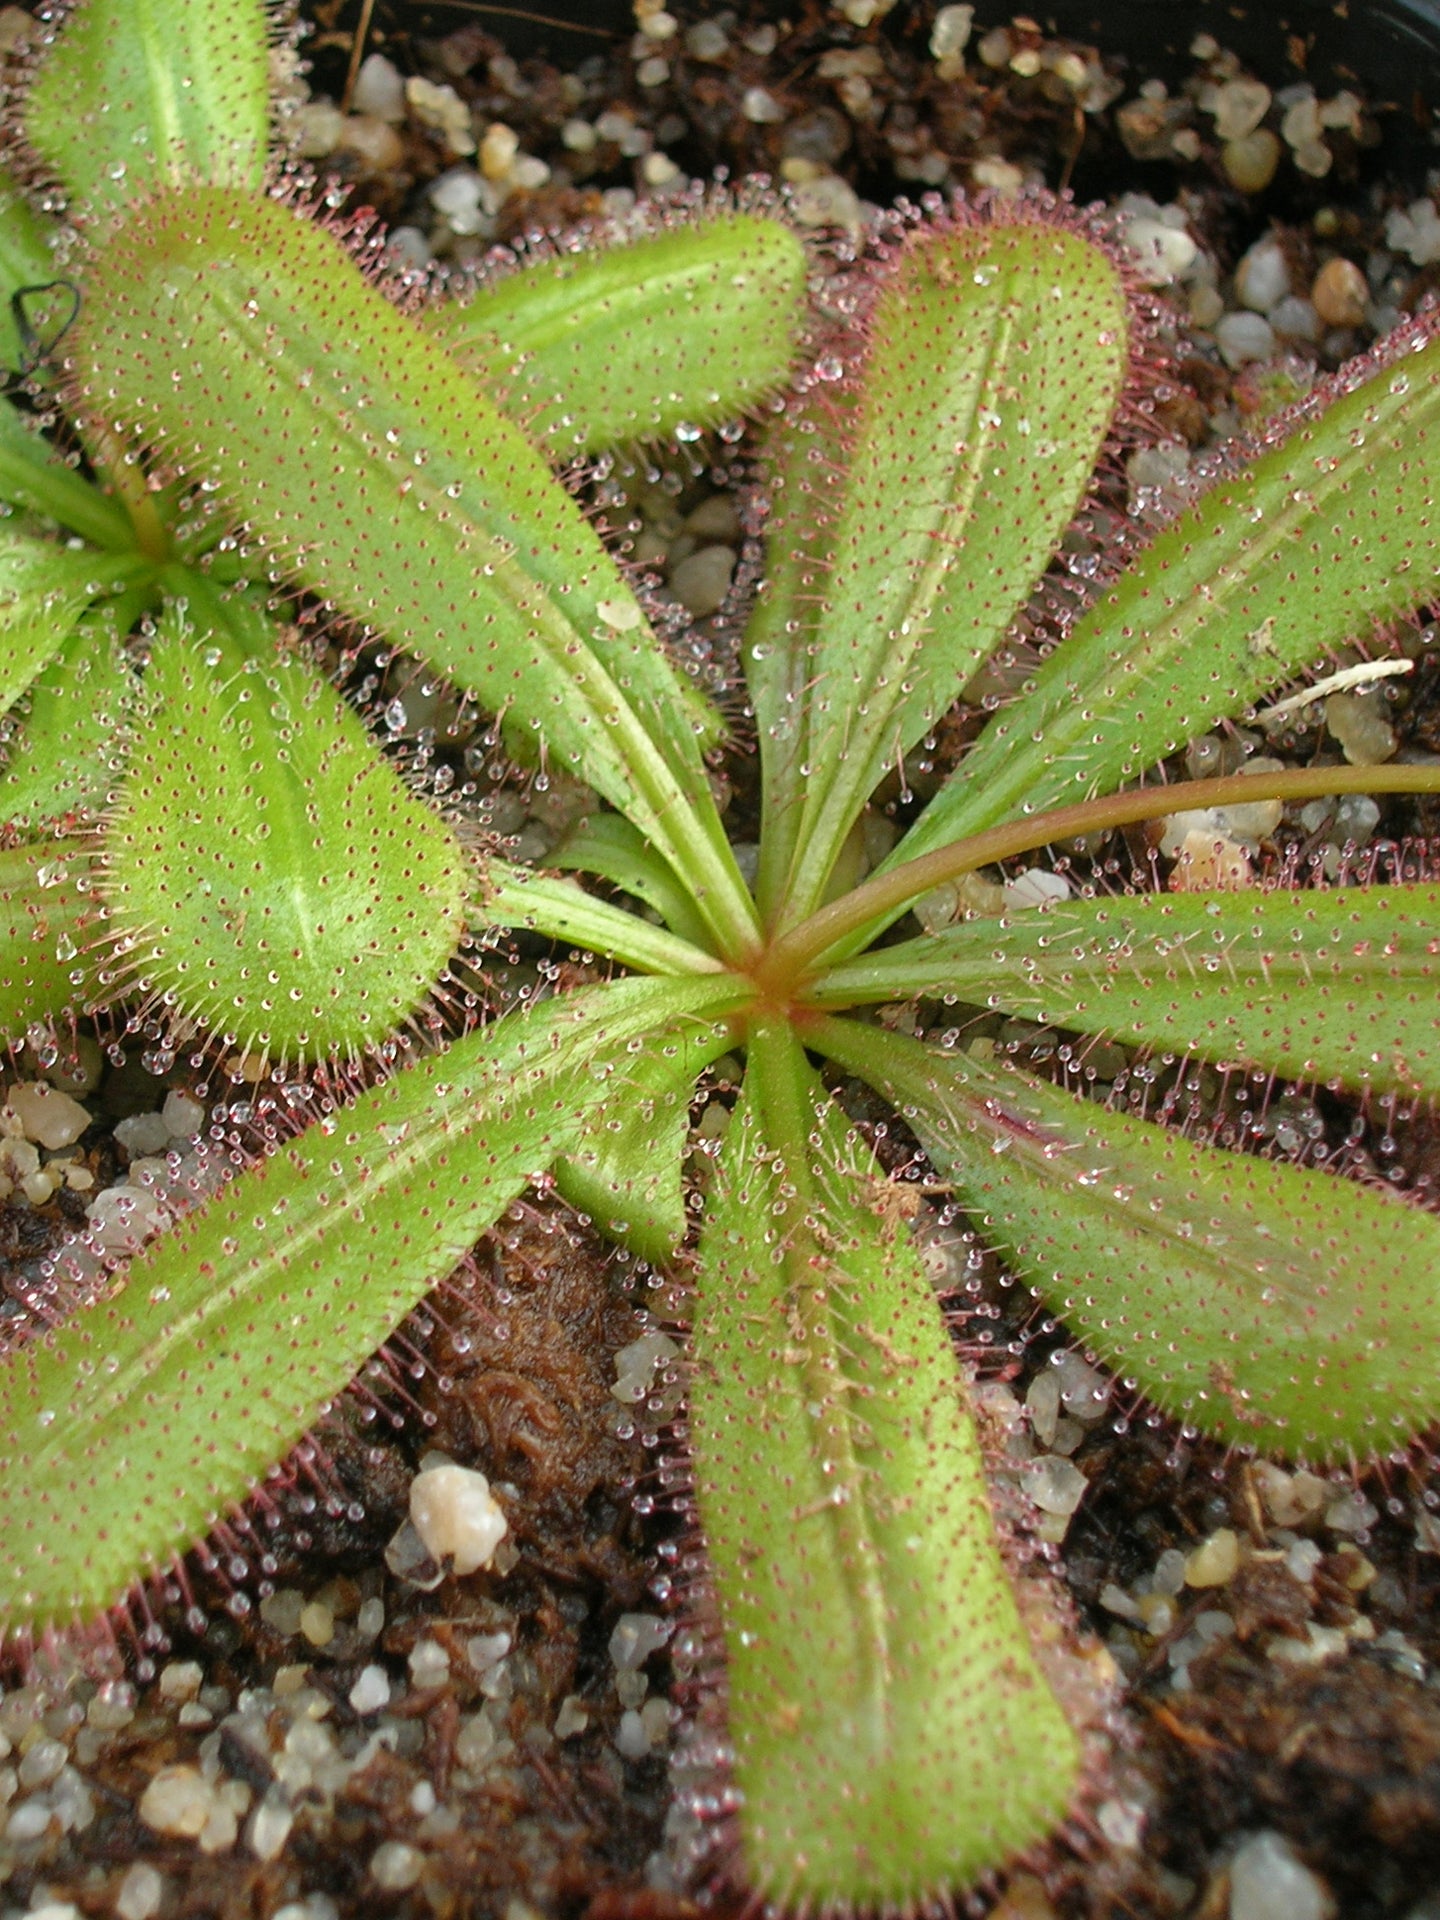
(139, 94)
(375, 467)
(226, 1337)
(1330, 985)
(937, 501)
(1190, 1269)
(893, 1734)
(1306, 547)
(609, 345)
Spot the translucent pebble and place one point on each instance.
(1215, 1561)
(701, 581)
(1268, 1881)
(1288, 1497)
(707, 40)
(1206, 304)
(498, 150)
(1356, 818)
(379, 89)
(1162, 253)
(282, 1609)
(1036, 887)
(620, 614)
(475, 1741)
(1239, 107)
(1122, 1822)
(636, 1636)
(183, 1115)
(455, 1514)
(1042, 1400)
(41, 1763)
(655, 71)
(1351, 1513)
(1250, 162)
(48, 1117)
(178, 1800)
(317, 129)
(950, 34)
(1302, 1557)
(1262, 278)
(1356, 720)
(29, 1820)
(487, 1650)
(1084, 1390)
(465, 200)
(1055, 1484)
(396, 1866)
(408, 1558)
(1243, 337)
(1340, 292)
(429, 1664)
(630, 1688)
(180, 1680)
(371, 1617)
(1115, 1600)
(1314, 158)
(761, 108)
(270, 1824)
(142, 1134)
(371, 1690)
(1301, 123)
(828, 202)
(572, 1717)
(373, 141)
(317, 1624)
(1415, 231)
(1157, 476)
(1169, 1574)
(655, 1721)
(140, 1893)
(1296, 319)
(631, 1738)
(442, 108)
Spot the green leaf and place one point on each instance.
(925, 500)
(140, 94)
(64, 757)
(266, 869)
(245, 338)
(126, 1434)
(1275, 1306)
(1336, 986)
(609, 344)
(46, 917)
(608, 846)
(894, 1736)
(510, 896)
(44, 588)
(627, 1171)
(1312, 543)
(33, 476)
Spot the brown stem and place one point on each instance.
(797, 953)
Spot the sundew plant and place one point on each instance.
(217, 851)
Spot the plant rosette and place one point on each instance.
(901, 1720)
